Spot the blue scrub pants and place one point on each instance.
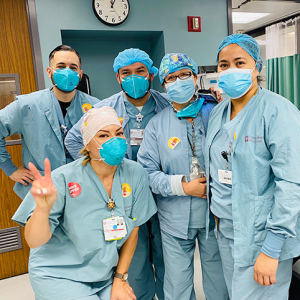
(104, 294)
(179, 266)
(240, 282)
(146, 270)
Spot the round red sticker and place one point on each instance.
(75, 189)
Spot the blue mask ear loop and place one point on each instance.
(53, 78)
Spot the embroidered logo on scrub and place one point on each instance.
(86, 107)
(173, 142)
(253, 139)
(121, 121)
(126, 190)
(75, 189)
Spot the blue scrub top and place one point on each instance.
(148, 111)
(77, 261)
(221, 203)
(34, 116)
(265, 175)
(164, 153)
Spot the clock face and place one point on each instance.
(111, 12)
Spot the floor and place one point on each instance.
(19, 288)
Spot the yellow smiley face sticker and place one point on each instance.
(126, 190)
(173, 142)
(121, 120)
(234, 136)
(86, 107)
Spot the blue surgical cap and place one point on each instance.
(173, 62)
(131, 56)
(248, 43)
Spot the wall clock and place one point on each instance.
(111, 12)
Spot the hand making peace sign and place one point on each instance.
(43, 190)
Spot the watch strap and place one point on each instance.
(121, 276)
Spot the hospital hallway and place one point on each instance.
(18, 287)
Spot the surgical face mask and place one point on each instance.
(181, 91)
(65, 79)
(235, 82)
(191, 110)
(135, 86)
(112, 151)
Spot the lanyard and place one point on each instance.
(193, 147)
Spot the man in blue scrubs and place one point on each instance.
(135, 105)
(43, 118)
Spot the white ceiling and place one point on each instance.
(277, 10)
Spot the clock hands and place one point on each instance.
(112, 2)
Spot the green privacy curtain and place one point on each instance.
(283, 77)
(283, 59)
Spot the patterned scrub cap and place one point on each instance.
(173, 62)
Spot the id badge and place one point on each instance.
(136, 137)
(114, 228)
(225, 176)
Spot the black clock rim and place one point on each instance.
(107, 23)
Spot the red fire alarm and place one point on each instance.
(194, 24)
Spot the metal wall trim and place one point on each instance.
(229, 17)
(35, 44)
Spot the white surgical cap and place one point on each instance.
(95, 120)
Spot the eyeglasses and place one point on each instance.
(181, 76)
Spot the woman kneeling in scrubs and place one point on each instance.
(72, 215)
(254, 166)
(172, 154)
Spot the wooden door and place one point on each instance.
(16, 57)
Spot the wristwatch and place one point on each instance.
(123, 277)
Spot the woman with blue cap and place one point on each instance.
(253, 176)
(172, 153)
(81, 221)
